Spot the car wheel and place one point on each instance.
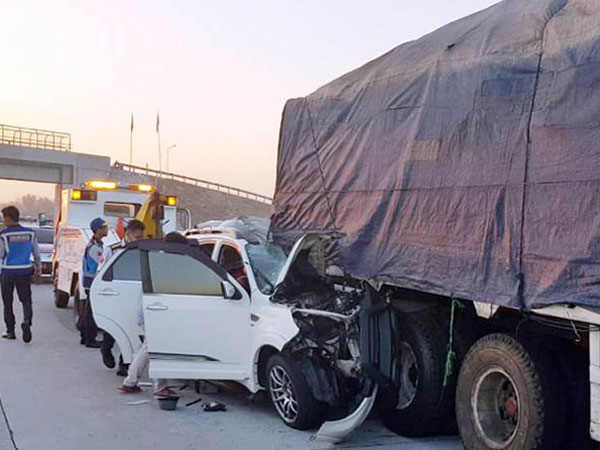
(419, 404)
(61, 299)
(509, 396)
(291, 395)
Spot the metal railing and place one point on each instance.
(194, 182)
(32, 137)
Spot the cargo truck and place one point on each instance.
(458, 174)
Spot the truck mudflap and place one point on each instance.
(337, 430)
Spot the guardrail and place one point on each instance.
(195, 182)
(33, 137)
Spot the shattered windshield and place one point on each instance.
(266, 261)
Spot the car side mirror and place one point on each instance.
(228, 290)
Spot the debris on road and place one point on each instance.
(214, 407)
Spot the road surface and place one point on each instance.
(56, 394)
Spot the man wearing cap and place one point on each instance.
(92, 257)
(17, 247)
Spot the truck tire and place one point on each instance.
(421, 405)
(509, 396)
(291, 395)
(61, 299)
(573, 363)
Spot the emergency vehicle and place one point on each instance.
(117, 203)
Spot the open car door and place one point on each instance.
(116, 296)
(197, 318)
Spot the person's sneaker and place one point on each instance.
(81, 341)
(9, 335)
(26, 332)
(129, 389)
(107, 358)
(92, 344)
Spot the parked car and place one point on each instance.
(45, 237)
(212, 311)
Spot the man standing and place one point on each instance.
(134, 231)
(92, 257)
(17, 245)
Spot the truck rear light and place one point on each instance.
(171, 200)
(78, 194)
(104, 185)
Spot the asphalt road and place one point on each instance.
(56, 394)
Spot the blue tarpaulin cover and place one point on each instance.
(465, 163)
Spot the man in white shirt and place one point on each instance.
(134, 231)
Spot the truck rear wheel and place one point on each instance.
(61, 299)
(509, 396)
(421, 404)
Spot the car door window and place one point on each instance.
(126, 267)
(207, 248)
(231, 260)
(174, 273)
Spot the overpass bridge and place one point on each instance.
(44, 156)
(29, 154)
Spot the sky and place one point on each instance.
(217, 72)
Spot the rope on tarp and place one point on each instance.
(450, 353)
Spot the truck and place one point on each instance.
(457, 176)
(115, 202)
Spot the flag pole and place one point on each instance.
(159, 151)
(131, 142)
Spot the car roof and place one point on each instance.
(216, 237)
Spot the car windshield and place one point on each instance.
(266, 261)
(44, 235)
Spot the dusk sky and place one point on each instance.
(219, 72)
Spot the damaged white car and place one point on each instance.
(232, 307)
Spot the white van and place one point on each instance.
(108, 199)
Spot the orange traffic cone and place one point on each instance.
(120, 228)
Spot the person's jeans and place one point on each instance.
(87, 324)
(140, 359)
(23, 285)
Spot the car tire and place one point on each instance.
(510, 396)
(61, 299)
(287, 388)
(420, 404)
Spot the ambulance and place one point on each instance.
(117, 203)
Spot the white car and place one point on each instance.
(211, 311)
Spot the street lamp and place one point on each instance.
(169, 148)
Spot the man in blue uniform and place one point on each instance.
(17, 246)
(92, 257)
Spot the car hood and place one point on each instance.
(313, 257)
(45, 248)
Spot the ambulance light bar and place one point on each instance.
(142, 187)
(110, 185)
(102, 185)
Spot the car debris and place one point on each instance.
(214, 407)
(193, 402)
